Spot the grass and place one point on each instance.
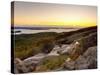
(31, 44)
(52, 63)
(69, 37)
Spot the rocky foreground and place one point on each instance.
(74, 51)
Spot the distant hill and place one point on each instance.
(69, 37)
(41, 28)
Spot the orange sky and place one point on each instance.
(45, 14)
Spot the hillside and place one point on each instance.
(51, 51)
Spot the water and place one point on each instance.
(29, 31)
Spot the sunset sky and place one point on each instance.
(46, 14)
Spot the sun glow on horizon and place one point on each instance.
(63, 22)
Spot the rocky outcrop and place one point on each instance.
(86, 61)
(19, 66)
(34, 59)
(30, 64)
(27, 65)
(58, 50)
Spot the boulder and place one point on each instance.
(34, 59)
(86, 61)
(19, 66)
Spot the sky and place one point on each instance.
(49, 14)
